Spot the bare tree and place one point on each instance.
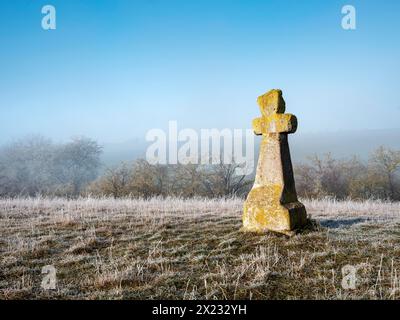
(150, 180)
(387, 161)
(307, 183)
(115, 182)
(77, 163)
(327, 176)
(188, 180)
(222, 180)
(26, 166)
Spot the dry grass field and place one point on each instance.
(194, 249)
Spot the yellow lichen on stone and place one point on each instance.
(275, 123)
(271, 102)
(272, 202)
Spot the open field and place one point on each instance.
(194, 249)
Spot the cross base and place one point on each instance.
(260, 214)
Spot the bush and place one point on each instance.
(350, 178)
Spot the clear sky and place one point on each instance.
(114, 69)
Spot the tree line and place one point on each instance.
(37, 166)
(376, 178)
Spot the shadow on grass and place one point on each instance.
(341, 223)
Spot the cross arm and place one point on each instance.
(275, 123)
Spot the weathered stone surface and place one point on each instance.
(272, 202)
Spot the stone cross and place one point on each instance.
(272, 202)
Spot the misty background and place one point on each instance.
(113, 70)
(341, 144)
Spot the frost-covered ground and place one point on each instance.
(194, 249)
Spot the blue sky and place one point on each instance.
(114, 69)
